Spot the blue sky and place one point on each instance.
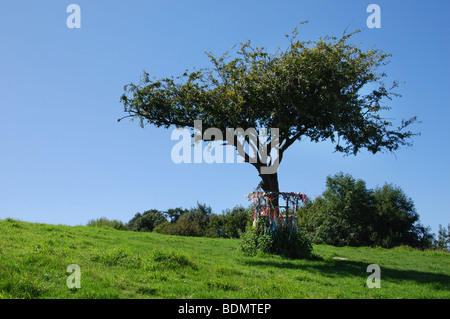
(64, 158)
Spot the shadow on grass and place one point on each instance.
(347, 268)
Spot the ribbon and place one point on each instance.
(268, 218)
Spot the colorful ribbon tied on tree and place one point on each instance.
(270, 216)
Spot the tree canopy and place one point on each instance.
(328, 89)
(347, 213)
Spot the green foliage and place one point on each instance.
(216, 222)
(396, 220)
(199, 215)
(442, 242)
(201, 221)
(182, 227)
(197, 221)
(254, 242)
(329, 89)
(236, 221)
(349, 214)
(13, 222)
(285, 242)
(105, 222)
(146, 221)
(341, 216)
(231, 222)
(292, 244)
(191, 222)
(173, 214)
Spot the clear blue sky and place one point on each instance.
(64, 158)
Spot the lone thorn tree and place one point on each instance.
(311, 90)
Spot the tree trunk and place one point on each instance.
(270, 184)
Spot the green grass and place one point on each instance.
(124, 264)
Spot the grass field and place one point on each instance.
(124, 264)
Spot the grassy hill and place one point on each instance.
(124, 264)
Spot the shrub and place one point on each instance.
(163, 228)
(285, 242)
(147, 221)
(191, 222)
(105, 222)
(342, 216)
(349, 214)
(197, 221)
(292, 244)
(235, 221)
(182, 227)
(216, 222)
(231, 222)
(254, 242)
(197, 215)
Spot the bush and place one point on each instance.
(191, 222)
(182, 227)
(349, 214)
(104, 222)
(197, 215)
(235, 221)
(197, 221)
(292, 244)
(254, 242)
(163, 228)
(216, 222)
(396, 220)
(231, 222)
(284, 242)
(147, 221)
(343, 215)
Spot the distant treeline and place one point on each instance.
(346, 214)
(198, 221)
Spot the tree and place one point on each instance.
(199, 215)
(443, 240)
(312, 90)
(347, 213)
(395, 217)
(192, 222)
(342, 215)
(231, 223)
(174, 213)
(146, 221)
(236, 220)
